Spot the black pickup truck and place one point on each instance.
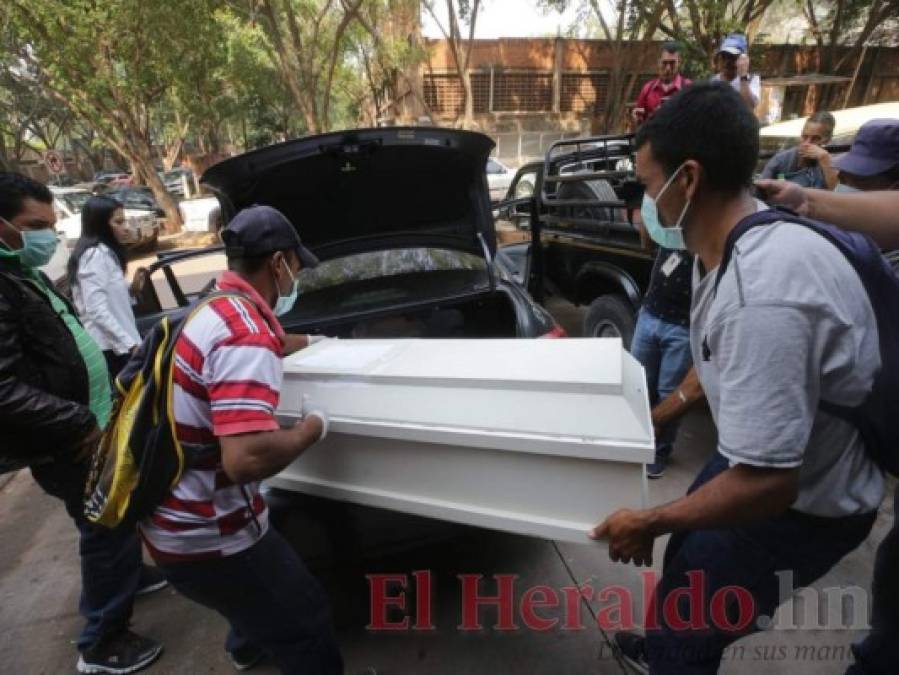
(580, 204)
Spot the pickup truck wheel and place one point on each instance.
(610, 316)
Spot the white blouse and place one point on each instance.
(101, 297)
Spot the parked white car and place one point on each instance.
(68, 202)
(499, 178)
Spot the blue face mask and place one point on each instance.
(38, 246)
(842, 187)
(667, 237)
(285, 303)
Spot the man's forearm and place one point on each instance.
(256, 456)
(294, 343)
(746, 93)
(678, 402)
(875, 214)
(739, 496)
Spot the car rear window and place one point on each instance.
(378, 264)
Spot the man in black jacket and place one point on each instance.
(54, 402)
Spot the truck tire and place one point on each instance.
(610, 316)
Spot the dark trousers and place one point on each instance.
(270, 599)
(110, 559)
(878, 654)
(748, 558)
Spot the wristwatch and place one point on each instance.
(745, 78)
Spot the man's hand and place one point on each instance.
(630, 536)
(743, 65)
(785, 193)
(84, 450)
(813, 152)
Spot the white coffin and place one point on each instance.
(538, 437)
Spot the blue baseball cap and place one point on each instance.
(875, 149)
(734, 43)
(258, 231)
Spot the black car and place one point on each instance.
(400, 219)
(582, 204)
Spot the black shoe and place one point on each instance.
(151, 579)
(246, 657)
(657, 468)
(125, 652)
(632, 647)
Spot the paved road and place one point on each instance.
(39, 585)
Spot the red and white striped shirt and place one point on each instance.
(227, 381)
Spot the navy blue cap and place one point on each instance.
(259, 231)
(875, 149)
(734, 43)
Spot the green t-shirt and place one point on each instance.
(97, 372)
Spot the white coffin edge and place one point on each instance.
(546, 486)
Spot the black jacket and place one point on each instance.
(44, 389)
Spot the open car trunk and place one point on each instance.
(485, 315)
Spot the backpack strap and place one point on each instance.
(850, 244)
(757, 219)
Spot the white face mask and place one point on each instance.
(666, 237)
(285, 303)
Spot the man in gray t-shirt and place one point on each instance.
(808, 164)
(789, 326)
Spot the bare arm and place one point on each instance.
(255, 456)
(678, 402)
(294, 343)
(875, 214)
(738, 496)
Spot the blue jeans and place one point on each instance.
(878, 654)
(110, 559)
(271, 601)
(663, 349)
(748, 558)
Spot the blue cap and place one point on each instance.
(875, 149)
(258, 231)
(734, 43)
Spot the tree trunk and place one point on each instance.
(143, 162)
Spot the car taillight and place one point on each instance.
(556, 332)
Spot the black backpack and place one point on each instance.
(139, 459)
(877, 418)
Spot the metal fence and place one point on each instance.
(520, 147)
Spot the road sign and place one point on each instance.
(54, 161)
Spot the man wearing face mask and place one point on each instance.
(785, 327)
(661, 340)
(210, 535)
(54, 401)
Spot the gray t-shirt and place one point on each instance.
(790, 325)
(786, 163)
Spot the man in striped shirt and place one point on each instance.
(211, 535)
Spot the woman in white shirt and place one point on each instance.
(97, 278)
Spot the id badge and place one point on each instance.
(671, 264)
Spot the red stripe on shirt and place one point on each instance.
(234, 521)
(194, 435)
(191, 354)
(205, 509)
(189, 385)
(243, 389)
(170, 525)
(238, 323)
(263, 341)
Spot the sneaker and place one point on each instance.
(657, 468)
(125, 652)
(632, 647)
(246, 657)
(151, 579)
